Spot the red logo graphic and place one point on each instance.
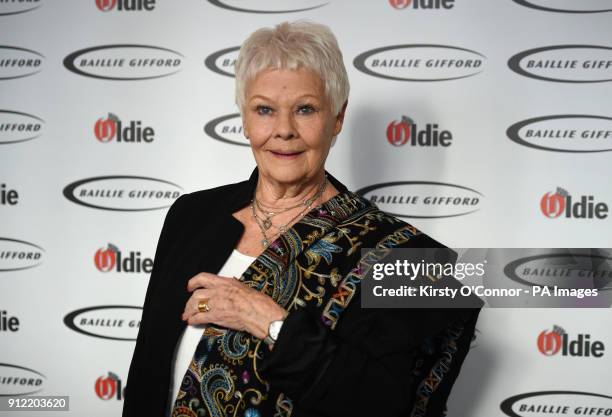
(112, 128)
(550, 342)
(427, 135)
(108, 387)
(400, 4)
(553, 205)
(398, 133)
(106, 259)
(561, 203)
(106, 129)
(557, 341)
(106, 5)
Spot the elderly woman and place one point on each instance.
(253, 305)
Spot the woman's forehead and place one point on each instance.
(297, 82)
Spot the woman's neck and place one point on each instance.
(273, 194)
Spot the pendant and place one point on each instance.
(267, 223)
(265, 243)
(283, 229)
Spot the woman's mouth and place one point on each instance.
(285, 155)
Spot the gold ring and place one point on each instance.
(203, 306)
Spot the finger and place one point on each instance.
(191, 306)
(202, 280)
(201, 318)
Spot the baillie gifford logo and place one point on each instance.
(406, 131)
(561, 204)
(109, 387)
(422, 4)
(112, 259)
(112, 128)
(125, 5)
(557, 341)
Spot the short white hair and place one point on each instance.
(299, 44)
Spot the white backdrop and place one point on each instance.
(82, 204)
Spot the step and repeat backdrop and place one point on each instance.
(485, 123)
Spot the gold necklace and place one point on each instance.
(265, 242)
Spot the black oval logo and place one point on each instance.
(564, 270)
(227, 129)
(222, 62)
(113, 322)
(19, 380)
(576, 133)
(565, 63)
(123, 193)
(584, 6)
(10, 8)
(18, 127)
(571, 399)
(124, 62)
(19, 62)
(423, 199)
(272, 6)
(17, 255)
(420, 62)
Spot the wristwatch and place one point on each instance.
(273, 331)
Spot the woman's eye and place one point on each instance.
(264, 110)
(306, 109)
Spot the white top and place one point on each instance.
(235, 265)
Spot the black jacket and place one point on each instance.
(374, 363)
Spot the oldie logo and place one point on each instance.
(422, 4)
(223, 61)
(577, 133)
(19, 62)
(420, 62)
(111, 258)
(557, 341)
(423, 199)
(19, 380)
(562, 204)
(114, 322)
(568, 269)
(18, 127)
(565, 63)
(269, 6)
(8, 8)
(123, 193)
(109, 387)
(406, 131)
(124, 62)
(8, 323)
(16, 255)
(227, 129)
(125, 5)
(8, 196)
(112, 128)
(557, 403)
(568, 6)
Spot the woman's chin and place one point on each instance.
(288, 173)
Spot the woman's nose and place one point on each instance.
(285, 126)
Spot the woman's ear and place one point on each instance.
(340, 119)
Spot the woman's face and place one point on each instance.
(289, 123)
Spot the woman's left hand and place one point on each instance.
(232, 304)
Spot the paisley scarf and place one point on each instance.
(316, 263)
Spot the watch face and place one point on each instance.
(274, 329)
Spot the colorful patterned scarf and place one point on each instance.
(301, 268)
